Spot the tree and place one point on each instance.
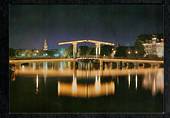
(51, 53)
(92, 50)
(143, 38)
(159, 35)
(86, 51)
(83, 50)
(106, 50)
(121, 51)
(69, 51)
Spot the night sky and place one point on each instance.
(30, 25)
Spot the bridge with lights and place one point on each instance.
(123, 61)
(97, 44)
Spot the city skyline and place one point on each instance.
(30, 25)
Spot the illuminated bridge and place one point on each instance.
(118, 61)
(97, 43)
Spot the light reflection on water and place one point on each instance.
(152, 78)
(57, 86)
(154, 81)
(86, 90)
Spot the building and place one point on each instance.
(45, 45)
(154, 47)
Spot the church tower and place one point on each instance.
(45, 45)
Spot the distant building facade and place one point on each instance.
(155, 47)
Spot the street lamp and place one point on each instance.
(113, 53)
(136, 53)
(37, 51)
(129, 52)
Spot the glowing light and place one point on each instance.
(22, 67)
(58, 88)
(129, 52)
(84, 90)
(37, 84)
(22, 54)
(136, 52)
(113, 87)
(136, 81)
(35, 54)
(45, 54)
(97, 84)
(56, 55)
(129, 80)
(154, 87)
(74, 87)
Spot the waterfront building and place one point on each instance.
(154, 47)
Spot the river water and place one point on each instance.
(61, 87)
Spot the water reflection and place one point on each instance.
(129, 78)
(136, 81)
(105, 83)
(45, 68)
(154, 81)
(86, 90)
(37, 83)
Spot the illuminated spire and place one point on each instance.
(45, 45)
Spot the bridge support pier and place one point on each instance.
(101, 65)
(110, 65)
(118, 65)
(128, 65)
(123, 65)
(74, 50)
(98, 49)
(136, 65)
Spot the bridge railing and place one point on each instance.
(89, 56)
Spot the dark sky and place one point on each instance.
(31, 24)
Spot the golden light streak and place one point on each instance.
(58, 88)
(37, 84)
(86, 91)
(129, 80)
(136, 81)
